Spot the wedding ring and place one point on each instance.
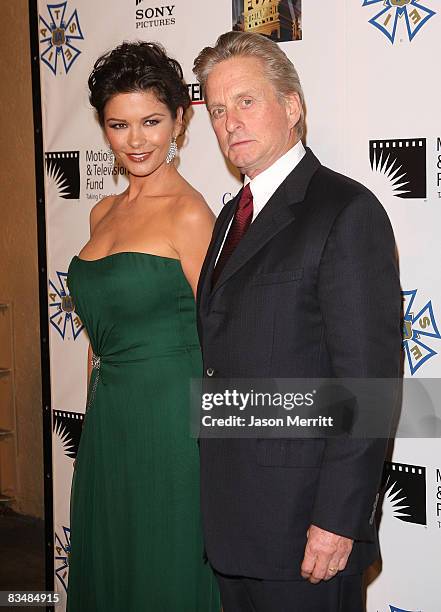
(332, 569)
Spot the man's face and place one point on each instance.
(253, 125)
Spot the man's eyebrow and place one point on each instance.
(211, 105)
(237, 96)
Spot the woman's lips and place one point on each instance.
(138, 157)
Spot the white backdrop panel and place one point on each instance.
(359, 87)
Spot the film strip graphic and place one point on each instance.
(68, 426)
(406, 490)
(63, 171)
(403, 161)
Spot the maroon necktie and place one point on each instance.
(241, 222)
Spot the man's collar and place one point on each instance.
(265, 184)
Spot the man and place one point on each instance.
(300, 280)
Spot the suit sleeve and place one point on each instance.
(360, 302)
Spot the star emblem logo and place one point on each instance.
(58, 38)
(419, 329)
(414, 14)
(62, 550)
(62, 314)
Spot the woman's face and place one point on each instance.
(139, 129)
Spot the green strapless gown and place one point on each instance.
(136, 541)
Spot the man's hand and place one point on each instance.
(326, 553)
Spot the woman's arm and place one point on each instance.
(192, 233)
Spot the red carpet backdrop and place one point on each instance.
(368, 69)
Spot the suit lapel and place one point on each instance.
(278, 212)
(220, 227)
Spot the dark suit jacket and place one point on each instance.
(312, 290)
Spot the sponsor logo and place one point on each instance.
(155, 17)
(63, 174)
(196, 93)
(101, 166)
(227, 197)
(405, 492)
(67, 432)
(419, 329)
(395, 609)
(280, 20)
(402, 163)
(62, 551)
(67, 427)
(59, 34)
(62, 309)
(393, 13)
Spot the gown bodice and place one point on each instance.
(134, 306)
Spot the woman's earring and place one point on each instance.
(172, 151)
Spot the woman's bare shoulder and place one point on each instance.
(190, 206)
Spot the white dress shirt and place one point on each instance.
(265, 184)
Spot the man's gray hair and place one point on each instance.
(279, 70)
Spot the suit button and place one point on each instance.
(210, 372)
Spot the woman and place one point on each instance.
(135, 529)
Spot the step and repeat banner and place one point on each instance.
(368, 69)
